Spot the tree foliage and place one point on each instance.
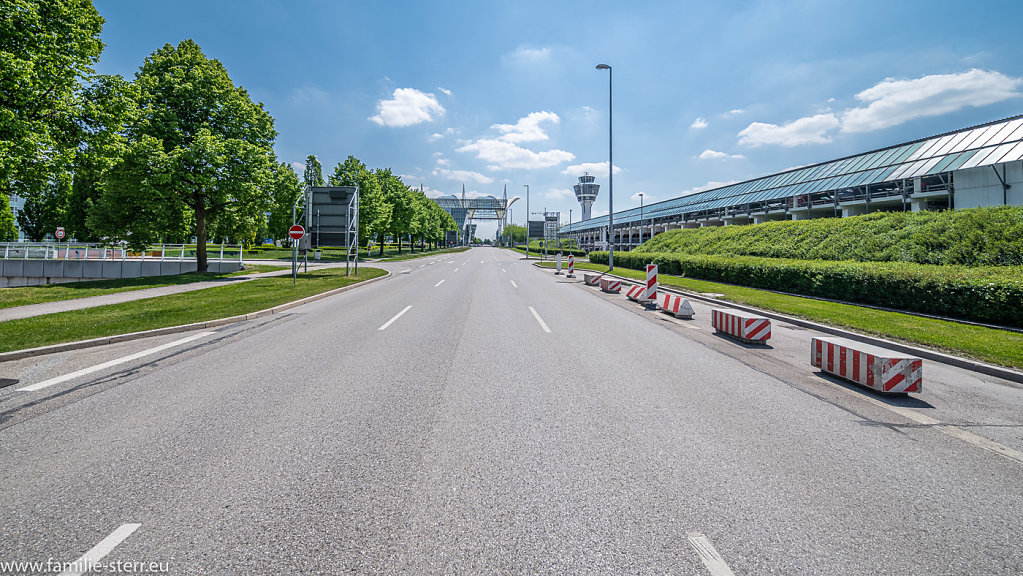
(374, 211)
(313, 175)
(198, 150)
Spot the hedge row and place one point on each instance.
(968, 237)
(991, 295)
(534, 248)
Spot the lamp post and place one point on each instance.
(610, 175)
(527, 220)
(640, 217)
(570, 229)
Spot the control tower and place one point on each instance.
(586, 193)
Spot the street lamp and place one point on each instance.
(640, 217)
(610, 175)
(527, 220)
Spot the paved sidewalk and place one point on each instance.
(131, 295)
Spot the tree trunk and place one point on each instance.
(381, 238)
(399, 243)
(200, 237)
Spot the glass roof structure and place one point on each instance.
(484, 208)
(988, 144)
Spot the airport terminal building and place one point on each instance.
(978, 166)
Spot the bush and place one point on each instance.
(982, 294)
(970, 237)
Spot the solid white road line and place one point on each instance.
(503, 270)
(88, 561)
(105, 365)
(481, 261)
(438, 283)
(540, 320)
(396, 316)
(711, 559)
(456, 269)
(513, 283)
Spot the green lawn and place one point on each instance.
(163, 311)
(1002, 347)
(23, 296)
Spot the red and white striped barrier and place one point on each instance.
(571, 266)
(611, 285)
(591, 279)
(650, 292)
(745, 327)
(634, 293)
(676, 305)
(873, 367)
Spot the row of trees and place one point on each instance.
(177, 152)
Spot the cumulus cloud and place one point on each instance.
(407, 107)
(699, 123)
(809, 130)
(647, 198)
(298, 167)
(594, 168)
(444, 90)
(708, 186)
(715, 155)
(439, 135)
(463, 175)
(893, 102)
(526, 56)
(526, 129)
(503, 155)
(558, 193)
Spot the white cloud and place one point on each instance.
(699, 123)
(598, 213)
(558, 193)
(462, 175)
(595, 168)
(408, 107)
(525, 56)
(893, 102)
(647, 198)
(502, 155)
(443, 162)
(708, 186)
(715, 155)
(444, 90)
(439, 135)
(809, 130)
(526, 129)
(298, 167)
(735, 111)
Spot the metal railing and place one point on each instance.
(94, 251)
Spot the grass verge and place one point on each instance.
(174, 310)
(25, 295)
(1002, 347)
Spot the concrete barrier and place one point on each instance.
(610, 285)
(635, 293)
(592, 279)
(876, 368)
(676, 305)
(741, 325)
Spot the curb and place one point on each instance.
(54, 348)
(964, 363)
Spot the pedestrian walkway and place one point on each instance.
(17, 312)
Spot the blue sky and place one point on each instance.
(494, 94)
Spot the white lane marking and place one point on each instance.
(711, 559)
(513, 283)
(953, 431)
(503, 270)
(88, 561)
(456, 269)
(540, 320)
(115, 362)
(481, 261)
(396, 316)
(438, 283)
(422, 265)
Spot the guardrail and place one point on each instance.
(92, 251)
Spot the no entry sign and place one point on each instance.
(296, 232)
(60, 233)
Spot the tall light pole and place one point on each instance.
(640, 217)
(527, 220)
(610, 175)
(570, 229)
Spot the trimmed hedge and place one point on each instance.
(989, 294)
(534, 248)
(967, 237)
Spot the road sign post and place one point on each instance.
(296, 232)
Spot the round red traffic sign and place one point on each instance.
(60, 233)
(296, 232)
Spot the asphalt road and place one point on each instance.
(474, 414)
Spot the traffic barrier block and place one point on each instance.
(650, 292)
(610, 285)
(870, 366)
(571, 266)
(676, 305)
(744, 326)
(592, 279)
(635, 293)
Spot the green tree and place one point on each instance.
(46, 46)
(313, 175)
(374, 212)
(7, 230)
(199, 150)
(518, 233)
(285, 189)
(32, 218)
(403, 205)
